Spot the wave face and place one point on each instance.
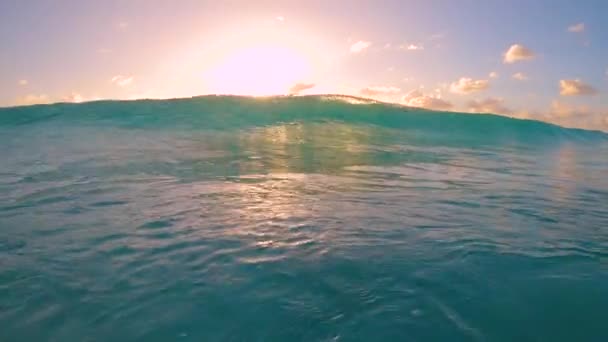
(298, 218)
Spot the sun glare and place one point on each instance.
(246, 59)
(259, 71)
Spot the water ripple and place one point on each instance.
(322, 230)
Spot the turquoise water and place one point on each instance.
(298, 219)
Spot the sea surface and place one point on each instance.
(319, 218)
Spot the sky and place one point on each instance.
(542, 59)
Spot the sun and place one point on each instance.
(258, 70)
(248, 59)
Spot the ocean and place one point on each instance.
(313, 218)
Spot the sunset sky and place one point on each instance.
(544, 60)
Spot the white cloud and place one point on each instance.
(467, 85)
(73, 97)
(23, 82)
(359, 46)
(122, 81)
(379, 91)
(416, 98)
(568, 115)
(489, 105)
(517, 53)
(32, 99)
(520, 76)
(493, 74)
(575, 87)
(576, 116)
(411, 47)
(577, 28)
(560, 110)
(300, 87)
(280, 18)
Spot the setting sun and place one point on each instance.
(259, 71)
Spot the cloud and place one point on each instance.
(576, 116)
(122, 81)
(379, 91)
(577, 28)
(520, 76)
(32, 99)
(300, 87)
(73, 97)
(560, 110)
(489, 105)
(411, 47)
(22, 82)
(493, 74)
(575, 87)
(467, 85)
(280, 18)
(122, 25)
(416, 98)
(567, 115)
(359, 46)
(517, 53)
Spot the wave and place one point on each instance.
(215, 112)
